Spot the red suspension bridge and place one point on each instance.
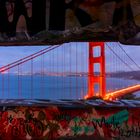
(67, 72)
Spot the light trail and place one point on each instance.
(122, 92)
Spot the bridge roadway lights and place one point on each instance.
(100, 80)
(122, 92)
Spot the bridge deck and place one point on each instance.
(122, 92)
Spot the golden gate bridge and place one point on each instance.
(74, 75)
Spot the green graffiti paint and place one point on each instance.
(76, 129)
(77, 119)
(114, 120)
(119, 117)
(87, 129)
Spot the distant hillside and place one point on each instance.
(128, 75)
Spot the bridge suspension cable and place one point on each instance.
(128, 56)
(119, 57)
(25, 59)
(60, 74)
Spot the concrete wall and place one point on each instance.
(50, 123)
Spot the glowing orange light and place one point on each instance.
(92, 79)
(122, 92)
(86, 97)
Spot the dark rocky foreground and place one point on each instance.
(70, 103)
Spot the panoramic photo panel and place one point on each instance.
(108, 71)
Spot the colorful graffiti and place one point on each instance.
(53, 122)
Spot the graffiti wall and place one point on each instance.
(54, 122)
(53, 21)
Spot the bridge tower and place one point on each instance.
(93, 78)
